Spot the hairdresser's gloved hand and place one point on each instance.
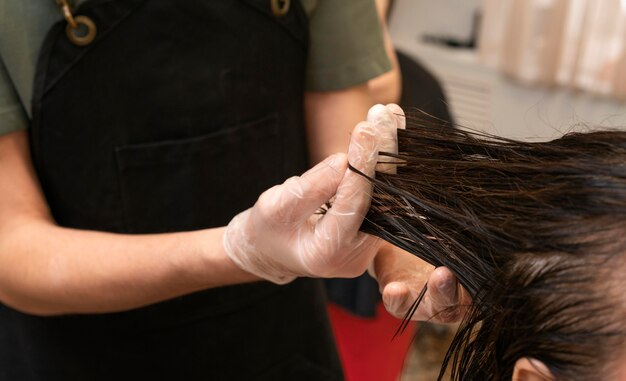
(400, 275)
(283, 237)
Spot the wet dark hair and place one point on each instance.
(535, 232)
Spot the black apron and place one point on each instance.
(175, 118)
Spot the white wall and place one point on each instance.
(479, 96)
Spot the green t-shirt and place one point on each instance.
(345, 49)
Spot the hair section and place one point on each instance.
(535, 232)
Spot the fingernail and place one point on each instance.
(448, 288)
(396, 304)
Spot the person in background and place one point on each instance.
(132, 133)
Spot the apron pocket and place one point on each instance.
(199, 182)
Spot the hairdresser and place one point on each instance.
(148, 128)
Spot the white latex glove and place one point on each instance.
(401, 275)
(282, 237)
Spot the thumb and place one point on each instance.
(300, 196)
(397, 298)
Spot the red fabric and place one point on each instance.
(365, 346)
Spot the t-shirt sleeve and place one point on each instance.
(346, 46)
(12, 115)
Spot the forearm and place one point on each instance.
(47, 269)
(331, 116)
(56, 270)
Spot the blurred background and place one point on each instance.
(527, 69)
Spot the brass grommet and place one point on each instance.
(280, 7)
(82, 22)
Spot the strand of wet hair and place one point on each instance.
(473, 202)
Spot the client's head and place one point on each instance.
(536, 233)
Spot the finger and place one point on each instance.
(444, 296)
(299, 197)
(400, 123)
(385, 124)
(398, 114)
(352, 200)
(397, 298)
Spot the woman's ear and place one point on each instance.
(529, 369)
